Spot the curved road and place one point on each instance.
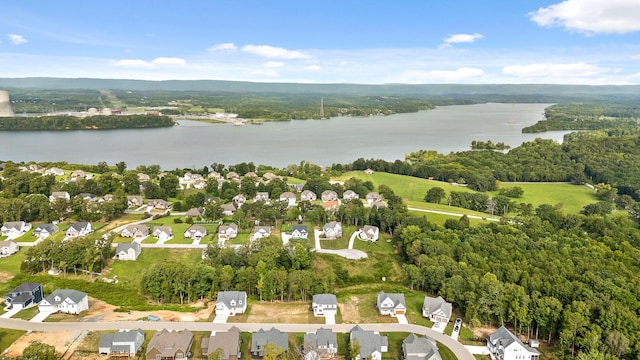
(458, 349)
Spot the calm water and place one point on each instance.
(322, 142)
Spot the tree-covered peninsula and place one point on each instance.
(84, 123)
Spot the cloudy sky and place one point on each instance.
(330, 41)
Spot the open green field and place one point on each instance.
(131, 272)
(11, 264)
(572, 197)
(8, 337)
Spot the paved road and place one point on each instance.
(458, 349)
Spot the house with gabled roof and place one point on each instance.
(59, 195)
(289, 198)
(239, 199)
(195, 212)
(260, 232)
(158, 204)
(261, 338)
(329, 195)
(308, 195)
(299, 232)
(416, 347)
(24, 295)
(81, 228)
(350, 195)
(143, 177)
(232, 175)
(13, 229)
(128, 251)
(231, 303)
(8, 248)
(504, 345)
(195, 232)
(436, 309)
(391, 304)
(162, 233)
(321, 304)
(227, 342)
(372, 197)
(170, 345)
(78, 174)
(261, 196)
(372, 344)
(332, 230)
(228, 209)
(134, 200)
(378, 204)
(323, 345)
(369, 233)
(88, 197)
(65, 300)
(268, 176)
(136, 231)
(226, 232)
(45, 230)
(54, 171)
(124, 343)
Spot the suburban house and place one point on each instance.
(296, 187)
(228, 209)
(504, 345)
(228, 343)
(368, 171)
(8, 248)
(199, 184)
(59, 195)
(420, 348)
(143, 177)
(391, 304)
(329, 195)
(88, 196)
(226, 232)
(436, 309)
(350, 195)
(321, 345)
(170, 345)
(369, 233)
(14, 229)
(323, 304)
(299, 232)
(261, 338)
(332, 230)
(260, 232)
(44, 230)
(195, 212)
(128, 251)
(373, 197)
(24, 295)
(214, 175)
(372, 345)
(124, 343)
(134, 200)
(261, 196)
(107, 197)
(78, 174)
(54, 171)
(251, 174)
(65, 300)
(136, 231)
(195, 232)
(378, 204)
(232, 175)
(289, 198)
(231, 303)
(159, 204)
(82, 228)
(239, 199)
(308, 195)
(162, 233)
(268, 176)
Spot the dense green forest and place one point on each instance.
(59, 122)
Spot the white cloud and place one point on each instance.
(579, 69)
(636, 57)
(313, 67)
(227, 47)
(419, 77)
(265, 72)
(461, 38)
(273, 52)
(17, 39)
(274, 64)
(591, 16)
(137, 63)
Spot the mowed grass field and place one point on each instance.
(572, 198)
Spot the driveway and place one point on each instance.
(10, 313)
(329, 318)
(221, 319)
(439, 327)
(477, 350)
(402, 319)
(41, 316)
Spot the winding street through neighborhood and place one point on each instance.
(459, 350)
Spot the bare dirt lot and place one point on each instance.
(277, 312)
(60, 340)
(349, 310)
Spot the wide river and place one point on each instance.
(323, 142)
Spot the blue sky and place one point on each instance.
(348, 41)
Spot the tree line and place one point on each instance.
(63, 122)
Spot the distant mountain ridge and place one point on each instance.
(352, 89)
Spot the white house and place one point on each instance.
(372, 344)
(289, 198)
(372, 197)
(162, 233)
(321, 345)
(262, 196)
(231, 303)
(332, 230)
(350, 195)
(82, 228)
(323, 304)
(13, 229)
(391, 304)
(260, 232)
(436, 309)
(65, 300)
(308, 195)
(420, 348)
(195, 232)
(8, 247)
(136, 231)
(45, 230)
(503, 345)
(226, 232)
(122, 343)
(59, 195)
(369, 233)
(299, 232)
(329, 195)
(128, 251)
(54, 171)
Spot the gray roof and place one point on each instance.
(224, 228)
(415, 345)
(226, 297)
(107, 340)
(398, 299)
(260, 338)
(75, 295)
(432, 304)
(160, 228)
(26, 287)
(325, 299)
(300, 228)
(14, 225)
(322, 338)
(369, 341)
(50, 228)
(228, 341)
(78, 226)
(506, 338)
(126, 246)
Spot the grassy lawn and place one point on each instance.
(7, 337)
(131, 272)
(440, 219)
(26, 314)
(572, 197)
(11, 264)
